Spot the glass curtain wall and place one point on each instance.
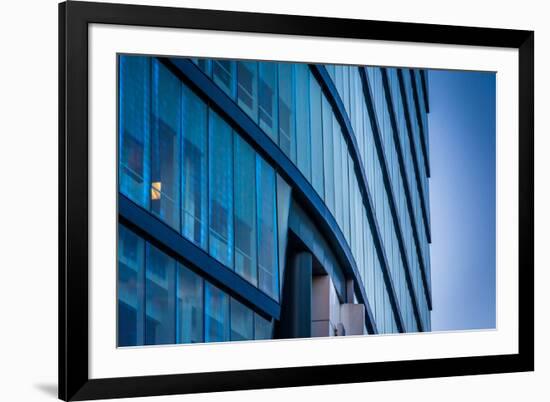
(285, 100)
(162, 301)
(183, 162)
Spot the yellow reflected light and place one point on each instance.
(155, 190)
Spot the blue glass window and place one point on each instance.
(223, 74)
(221, 190)
(190, 310)
(242, 322)
(338, 174)
(165, 151)
(380, 289)
(247, 87)
(268, 99)
(194, 210)
(131, 274)
(217, 326)
(339, 81)
(345, 88)
(287, 120)
(160, 297)
(268, 272)
(302, 120)
(134, 134)
(262, 328)
(204, 65)
(316, 120)
(328, 151)
(354, 234)
(345, 191)
(245, 211)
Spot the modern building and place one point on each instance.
(262, 200)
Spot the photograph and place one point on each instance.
(264, 200)
(252, 200)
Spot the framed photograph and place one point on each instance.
(257, 200)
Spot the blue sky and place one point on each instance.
(462, 197)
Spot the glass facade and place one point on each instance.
(188, 162)
(205, 181)
(162, 301)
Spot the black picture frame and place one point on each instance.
(74, 18)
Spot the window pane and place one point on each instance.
(339, 81)
(302, 120)
(262, 328)
(354, 235)
(268, 274)
(338, 174)
(216, 314)
(242, 322)
(159, 297)
(287, 122)
(203, 64)
(328, 150)
(316, 136)
(194, 168)
(223, 74)
(134, 103)
(345, 95)
(131, 259)
(268, 96)
(165, 152)
(245, 211)
(247, 87)
(189, 307)
(345, 192)
(221, 190)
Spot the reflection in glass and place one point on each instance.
(338, 174)
(262, 327)
(302, 120)
(316, 120)
(242, 322)
(247, 87)
(216, 314)
(134, 136)
(223, 74)
(194, 113)
(268, 99)
(268, 272)
(165, 151)
(245, 211)
(328, 152)
(159, 297)
(131, 258)
(221, 190)
(287, 121)
(204, 65)
(190, 310)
